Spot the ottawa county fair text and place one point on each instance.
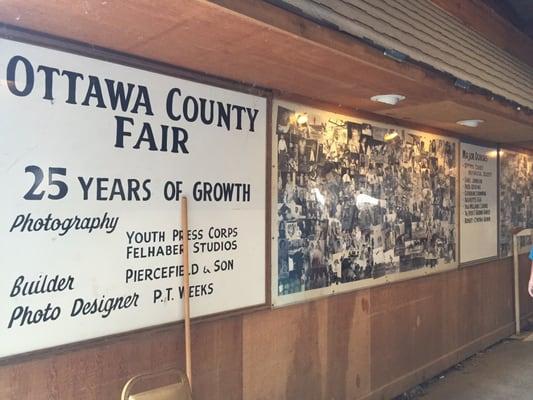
(90, 90)
(49, 83)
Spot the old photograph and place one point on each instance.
(516, 198)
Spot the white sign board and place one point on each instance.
(479, 202)
(94, 160)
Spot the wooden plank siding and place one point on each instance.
(427, 34)
(479, 16)
(369, 344)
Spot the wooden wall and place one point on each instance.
(370, 344)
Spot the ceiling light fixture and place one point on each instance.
(301, 119)
(470, 123)
(391, 99)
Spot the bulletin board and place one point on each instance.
(357, 203)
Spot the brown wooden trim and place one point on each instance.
(481, 260)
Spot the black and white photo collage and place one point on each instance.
(359, 202)
(516, 198)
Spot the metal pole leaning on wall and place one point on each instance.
(186, 299)
(516, 285)
(522, 233)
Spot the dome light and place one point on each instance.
(470, 123)
(391, 99)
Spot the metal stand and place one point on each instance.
(522, 233)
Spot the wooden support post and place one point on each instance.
(186, 299)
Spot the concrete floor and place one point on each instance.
(503, 372)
